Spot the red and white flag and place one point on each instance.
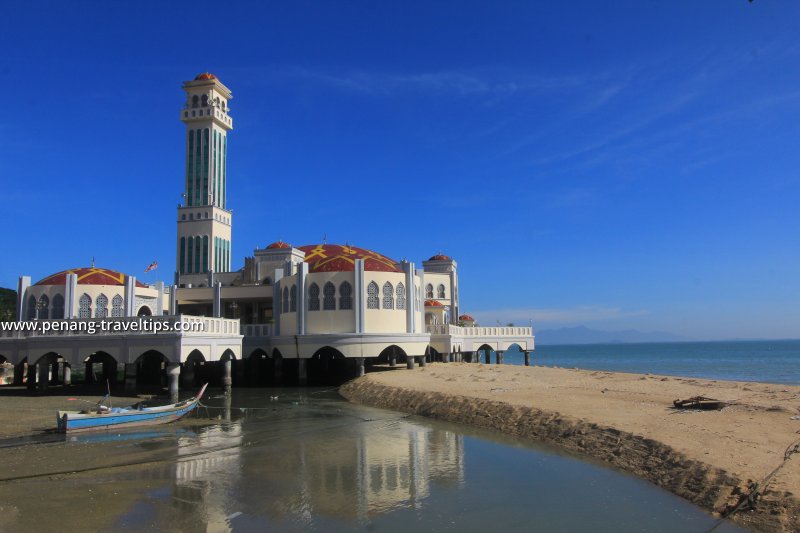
(153, 266)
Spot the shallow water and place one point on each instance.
(309, 460)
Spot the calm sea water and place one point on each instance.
(310, 461)
(767, 361)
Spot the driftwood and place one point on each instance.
(699, 402)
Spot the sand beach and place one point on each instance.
(719, 459)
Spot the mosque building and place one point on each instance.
(290, 312)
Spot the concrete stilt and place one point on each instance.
(88, 376)
(360, 366)
(527, 358)
(227, 380)
(423, 360)
(31, 381)
(302, 373)
(19, 373)
(187, 374)
(410, 362)
(392, 359)
(67, 374)
(173, 377)
(44, 371)
(239, 372)
(500, 355)
(488, 356)
(130, 377)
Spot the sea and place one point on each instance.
(775, 361)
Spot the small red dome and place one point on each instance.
(205, 76)
(466, 318)
(440, 257)
(433, 303)
(278, 245)
(88, 276)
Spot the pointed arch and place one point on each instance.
(313, 297)
(388, 296)
(373, 302)
(43, 307)
(116, 306)
(85, 306)
(440, 292)
(285, 299)
(101, 306)
(345, 295)
(429, 291)
(329, 297)
(58, 306)
(31, 308)
(401, 295)
(293, 299)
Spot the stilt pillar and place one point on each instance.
(227, 380)
(487, 354)
(67, 374)
(54, 373)
(173, 378)
(187, 374)
(19, 373)
(527, 357)
(302, 373)
(423, 360)
(130, 377)
(31, 381)
(240, 372)
(44, 371)
(360, 366)
(500, 355)
(410, 362)
(392, 359)
(88, 376)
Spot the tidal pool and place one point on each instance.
(305, 459)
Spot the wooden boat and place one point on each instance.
(103, 417)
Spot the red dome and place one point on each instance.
(466, 318)
(205, 76)
(88, 276)
(440, 257)
(278, 245)
(433, 303)
(339, 258)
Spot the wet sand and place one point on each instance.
(712, 458)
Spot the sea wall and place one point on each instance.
(711, 488)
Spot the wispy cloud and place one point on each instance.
(573, 315)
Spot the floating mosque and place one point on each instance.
(293, 314)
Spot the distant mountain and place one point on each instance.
(584, 335)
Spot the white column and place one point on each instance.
(22, 288)
(360, 295)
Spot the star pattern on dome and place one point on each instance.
(342, 258)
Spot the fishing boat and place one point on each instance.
(103, 417)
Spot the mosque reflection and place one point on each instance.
(301, 471)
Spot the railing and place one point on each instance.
(173, 325)
(256, 330)
(479, 331)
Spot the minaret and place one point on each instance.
(204, 221)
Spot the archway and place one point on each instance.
(44, 371)
(393, 355)
(328, 366)
(144, 311)
(151, 369)
(194, 370)
(259, 368)
(485, 354)
(100, 367)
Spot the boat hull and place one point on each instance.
(76, 422)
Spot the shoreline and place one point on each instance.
(710, 458)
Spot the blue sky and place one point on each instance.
(613, 164)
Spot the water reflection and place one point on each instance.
(310, 461)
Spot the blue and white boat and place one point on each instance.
(103, 417)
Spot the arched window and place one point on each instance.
(195, 100)
(205, 100)
(31, 308)
(116, 306)
(345, 295)
(286, 299)
(372, 296)
(101, 306)
(313, 297)
(85, 306)
(440, 292)
(401, 296)
(388, 296)
(428, 291)
(329, 297)
(293, 299)
(58, 306)
(43, 307)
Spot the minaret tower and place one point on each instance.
(204, 221)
